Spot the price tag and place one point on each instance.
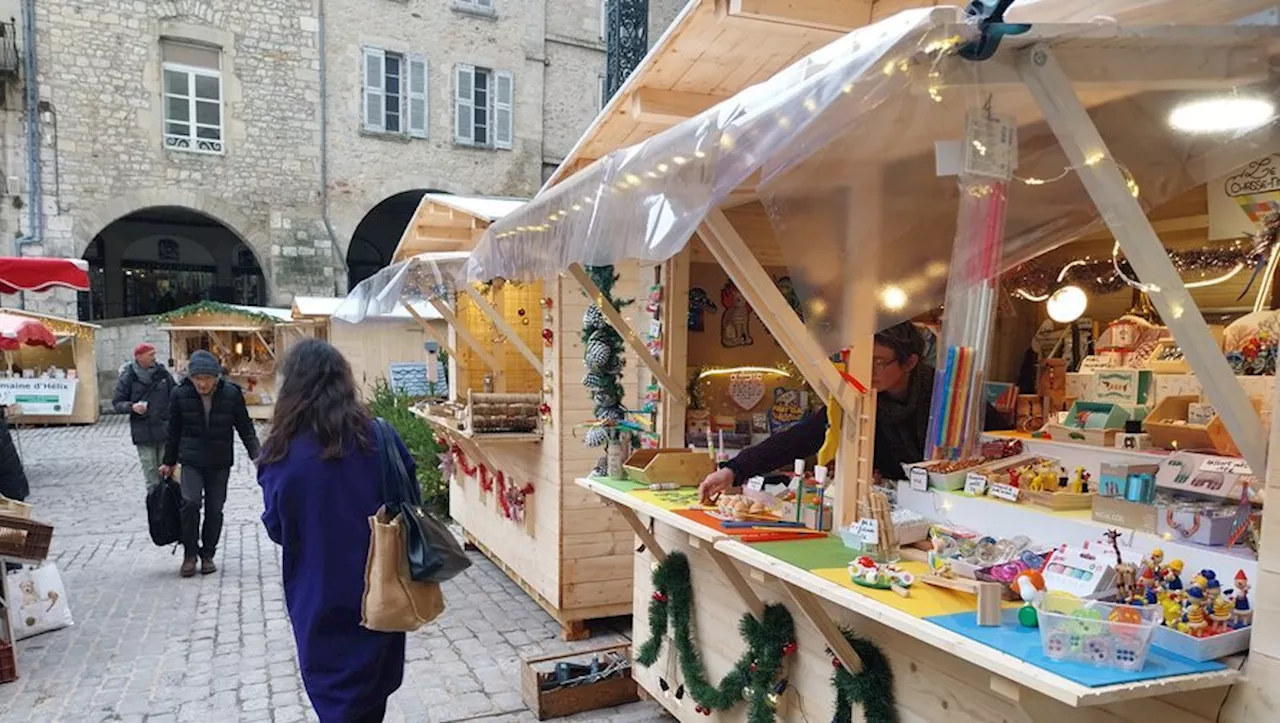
(869, 530)
(1225, 465)
(991, 146)
(919, 479)
(1008, 493)
(975, 484)
(755, 484)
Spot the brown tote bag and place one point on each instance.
(394, 602)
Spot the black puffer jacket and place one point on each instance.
(208, 445)
(151, 427)
(13, 479)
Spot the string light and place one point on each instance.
(729, 371)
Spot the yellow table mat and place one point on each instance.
(681, 499)
(925, 600)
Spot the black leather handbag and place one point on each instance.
(435, 555)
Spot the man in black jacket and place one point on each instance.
(142, 392)
(204, 411)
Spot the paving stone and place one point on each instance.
(150, 646)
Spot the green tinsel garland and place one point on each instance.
(753, 677)
(215, 307)
(872, 688)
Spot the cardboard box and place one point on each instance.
(1202, 526)
(1119, 512)
(1129, 387)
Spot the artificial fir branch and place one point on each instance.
(602, 353)
(872, 688)
(756, 673)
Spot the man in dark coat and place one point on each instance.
(203, 412)
(13, 478)
(142, 392)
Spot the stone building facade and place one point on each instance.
(243, 144)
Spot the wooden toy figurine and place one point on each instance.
(1221, 615)
(1080, 483)
(1194, 616)
(1173, 577)
(1030, 587)
(1244, 614)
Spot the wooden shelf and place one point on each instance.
(449, 425)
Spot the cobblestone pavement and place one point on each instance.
(149, 646)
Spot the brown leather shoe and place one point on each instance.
(207, 567)
(188, 567)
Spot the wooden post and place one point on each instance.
(513, 337)
(625, 331)
(675, 346)
(1107, 187)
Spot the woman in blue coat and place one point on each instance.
(320, 481)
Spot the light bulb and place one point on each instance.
(1220, 115)
(1067, 304)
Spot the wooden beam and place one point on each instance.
(267, 346)
(837, 16)
(628, 334)
(466, 336)
(1169, 225)
(641, 530)
(426, 329)
(668, 107)
(733, 255)
(513, 336)
(739, 583)
(427, 230)
(830, 632)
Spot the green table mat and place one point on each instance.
(620, 485)
(823, 552)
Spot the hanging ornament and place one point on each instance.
(446, 465)
(596, 437)
(544, 411)
(548, 336)
(520, 311)
(545, 302)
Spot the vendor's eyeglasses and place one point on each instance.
(879, 365)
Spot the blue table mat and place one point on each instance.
(1024, 644)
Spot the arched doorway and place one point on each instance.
(375, 239)
(164, 257)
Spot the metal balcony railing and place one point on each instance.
(9, 61)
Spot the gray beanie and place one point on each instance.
(202, 362)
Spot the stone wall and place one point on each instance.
(114, 345)
(99, 67)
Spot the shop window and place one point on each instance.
(395, 93)
(484, 100)
(192, 97)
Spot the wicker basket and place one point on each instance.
(14, 508)
(8, 663)
(24, 539)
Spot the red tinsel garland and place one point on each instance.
(510, 498)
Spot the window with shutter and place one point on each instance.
(503, 104)
(464, 104)
(417, 96)
(374, 89)
(192, 97)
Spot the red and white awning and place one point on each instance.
(19, 331)
(35, 273)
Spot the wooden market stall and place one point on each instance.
(248, 340)
(65, 377)
(386, 348)
(870, 191)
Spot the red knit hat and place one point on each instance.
(141, 349)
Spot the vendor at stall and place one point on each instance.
(905, 390)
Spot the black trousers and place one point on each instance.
(211, 486)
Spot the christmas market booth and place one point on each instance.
(1105, 557)
(390, 348)
(49, 374)
(247, 340)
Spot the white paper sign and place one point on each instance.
(991, 146)
(1008, 493)
(919, 479)
(1225, 465)
(975, 484)
(51, 397)
(755, 484)
(869, 530)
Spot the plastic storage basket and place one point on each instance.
(1097, 633)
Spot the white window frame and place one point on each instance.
(464, 102)
(192, 142)
(601, 92)
(604, 21)
(407, 96)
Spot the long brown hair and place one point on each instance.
(318, 395)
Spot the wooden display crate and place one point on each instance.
(560, 702)
(1060, 501)
(1168, 428)
(657, 466)
(1172, 366)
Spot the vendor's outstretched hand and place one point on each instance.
(713, 484)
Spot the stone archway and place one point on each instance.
(376, 235)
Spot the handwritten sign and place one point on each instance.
(975, 484)
(869, 531)
(1225, 465)
(755, 484)
(1008, 493)
(919, 479)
